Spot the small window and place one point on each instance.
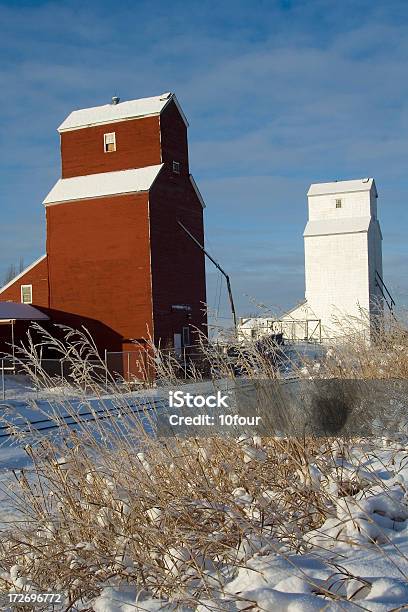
(109, 142)
(176, 167)
(27, 294)
(177, 344)
(186, 336)
(338, 203)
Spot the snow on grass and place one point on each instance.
(366, 541)
(242, 547)
(119, 520)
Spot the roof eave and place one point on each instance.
(325, 193)
(98, 197)
(108, 122)
(365, 184)
(327, 233)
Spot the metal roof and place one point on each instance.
(107, 184)
(347, 225)
(103, 184)
(364, 184)
(10, 311)
(110, 113)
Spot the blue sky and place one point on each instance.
(278, 94)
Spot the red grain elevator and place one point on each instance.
(117, 260)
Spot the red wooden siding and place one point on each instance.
(178, 266)
(137, 145)
(99, 263)
(38, 278)
(116, 265)
(174, 139)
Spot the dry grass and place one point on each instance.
(384, 356)
(111, 503)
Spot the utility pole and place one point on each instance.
(217, 265)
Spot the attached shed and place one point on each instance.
(12, 313)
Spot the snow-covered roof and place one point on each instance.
(14, 311)
(250, 322)
(364, 184)
(103, 184)
(109, 113)
(348, 225)
(300, 306)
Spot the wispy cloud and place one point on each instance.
(278, 95)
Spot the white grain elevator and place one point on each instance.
(343, 254)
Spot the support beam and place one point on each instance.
(217, 265)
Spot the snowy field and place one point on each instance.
(356, 559)
(359, 553)
(44, 409)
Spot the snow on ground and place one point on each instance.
(360, 552)
(11, 458)
(24, 402)
(21, 387)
